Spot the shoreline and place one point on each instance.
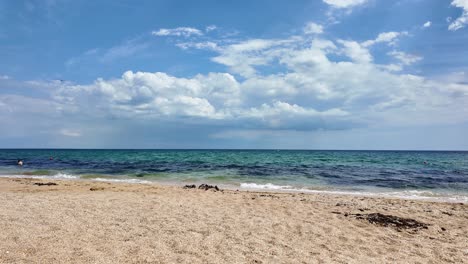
(393, 194)
(102, 222)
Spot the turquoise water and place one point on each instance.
(395, 173)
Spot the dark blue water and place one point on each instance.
(415, 172)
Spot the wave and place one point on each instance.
(407, 194)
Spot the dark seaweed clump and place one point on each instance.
(392, 221)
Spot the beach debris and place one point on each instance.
(190, 186)
(269, 195)
(45, 183)
(208, 187)
(392, 221)
(96, 189)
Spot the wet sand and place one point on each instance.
(98, 222)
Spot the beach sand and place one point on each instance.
(99, 222)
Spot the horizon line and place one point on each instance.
(271, 149)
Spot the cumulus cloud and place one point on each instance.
(312, 91)
(355, 51)
(299, 82)
(344, 3)
(462, 20)
(427, 24)
(178, 32)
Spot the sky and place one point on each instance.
(315, 74)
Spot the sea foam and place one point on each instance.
(121, 180)
(268, 186)
(406, 194)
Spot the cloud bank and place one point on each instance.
(303, 82)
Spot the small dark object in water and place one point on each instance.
(392, 221)
(207, 187)
(45, 183)
(190, 186)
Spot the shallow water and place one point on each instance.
(393, 173)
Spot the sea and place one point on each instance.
(431, 175)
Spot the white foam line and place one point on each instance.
(121, 180)
(56, 176)
(413, 194)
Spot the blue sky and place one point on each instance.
(323, 74)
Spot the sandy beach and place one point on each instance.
(99, 222)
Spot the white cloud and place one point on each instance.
(462, 20)
(344, 3)
(387, 37)
(238, 56)
(209, 45)
(313, 28)
(4, 77)
(427, 24)
(404, 58)
(179, 32)
(210, 28)
(356, 51)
